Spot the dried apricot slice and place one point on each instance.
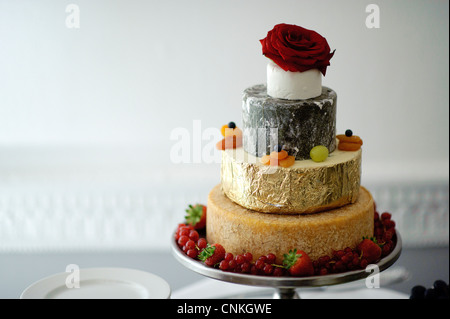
(229, 142)
(349, 139)
(232, 131)
(287, 162)
(265, 160)
(279, 155)
(343, 146)
(223, 128)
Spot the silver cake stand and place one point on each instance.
(285, 287)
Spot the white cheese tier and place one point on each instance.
(289, 85)
(240, 230)
(306, 187)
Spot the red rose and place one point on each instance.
(296, 49)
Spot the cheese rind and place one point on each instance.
(305, 187)
(241, 230)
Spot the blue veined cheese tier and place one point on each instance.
(297, 125)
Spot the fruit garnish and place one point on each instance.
(278, 157)
(265, 160)
(232, 137)
(351, 147)
(223, 128)
(196, 216)
(349, 142)
(287, 162)
(349, 139)
(298, 263)
(212, 254)
(359, 257)
(229, 142)
(230, 129)
(369, 249)
(319, 153)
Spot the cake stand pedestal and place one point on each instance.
(285, 287)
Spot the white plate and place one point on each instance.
(100, 283)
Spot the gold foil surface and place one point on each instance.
(306, 187)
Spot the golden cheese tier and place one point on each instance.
(240, 230)
(305, 187)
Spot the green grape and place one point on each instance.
(319, 153)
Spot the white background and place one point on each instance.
(136, 70)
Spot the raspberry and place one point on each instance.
(323, 271)
(190, 244)
(248, 256)
(339, 254)
(193, 234)
(324, 260)
(262, 258)
(268, 269)
(385, 216)
(389, 223)
(278, 272)
(259, 264)
(388, 234)
(348, 250)
(245, 267)
(253, 270)
(184, 231)
(228, 256)
(363, 263)
(202, 243)
(183, 240)
(340, 266)
(224, 265)
(232, 264)
(348, 257)
(386, 249)
(240, 259)
(270, 258)
(192, 253)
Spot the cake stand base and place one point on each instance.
(286, 287)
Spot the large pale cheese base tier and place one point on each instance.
(305, 187)
(241, 230)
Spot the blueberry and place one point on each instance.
(418, 292)
(348, 133)
(231, 125)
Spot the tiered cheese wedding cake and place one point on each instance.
(288, 180)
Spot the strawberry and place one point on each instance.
(212, 254)
(369, 249)
(298, 263)
(196, 216)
